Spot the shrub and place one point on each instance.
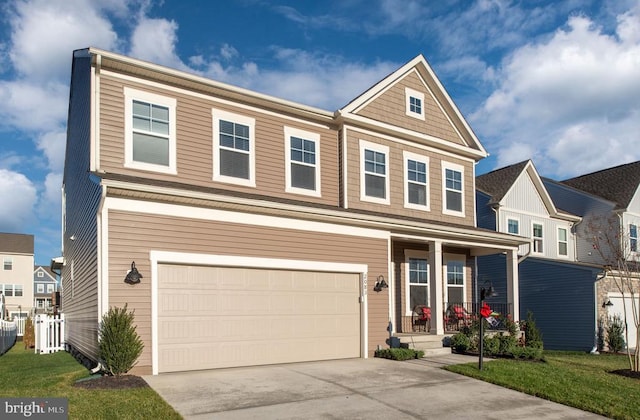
(29, 336)
(399, 354)
(530, 353)
(120, 345)
(507, 342)
(491, 345)
(615, 334)
(460, 342)
(532, 335)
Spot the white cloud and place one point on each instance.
(53, 146)
(155, 40)
(573, 98)
(33, 107)
(19, 199)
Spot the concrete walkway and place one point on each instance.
(350, 389)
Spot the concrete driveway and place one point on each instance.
(350, 389)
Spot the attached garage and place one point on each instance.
(618, 308)
(220, 316)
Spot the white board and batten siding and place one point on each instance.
(220, 316)
(619, 308)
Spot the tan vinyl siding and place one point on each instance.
(132, 236)
(395, 167)
(194, 128)
(390, 108)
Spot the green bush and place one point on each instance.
(399, 354)
(460, 342)
(119, 344)
(507, 342)
(530, 353)
(491, 345)
(532, 335)
(615, 334)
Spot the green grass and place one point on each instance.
(25, 374)
(579, 380)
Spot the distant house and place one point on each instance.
(265, 231)
(45, 285)
(16, 273)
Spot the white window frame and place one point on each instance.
(40, 288)
(407, 156)
(18, 288)
(367, 145)
(566, 242)
(408, 254)
(7, 262)
(40, 274)
(450, 258)
(534, 238)
(50, 288)
(306, 135)
(409, 93)
(513, 219)
(218, 115)
(457, 168)
(129, 96)
(632, 238)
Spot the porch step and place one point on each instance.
(431, 345)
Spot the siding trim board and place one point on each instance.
(158, 257)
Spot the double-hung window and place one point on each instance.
(302, 162)
(633, 238)
(40, 288)
(537, 238)
(8, 289)
(50, 288)
(453, 191)
(8, 264)
(417, 269)
(374, 172)
(17, 290)
(233, 148)
(563, 243)
(150, 134)
(416, 188)
(513, 226)
(455, 281)
(414, 103)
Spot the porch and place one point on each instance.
(455, 317)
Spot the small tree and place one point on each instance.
(615, 331)
(619, 255)
(120, 345)
(532, 335)
(29, 337)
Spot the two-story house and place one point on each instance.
(16, 274)
(265, 231)
(608, 202)
(554, 286)
(45, 285)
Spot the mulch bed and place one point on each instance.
(112, 382)
(627, 372)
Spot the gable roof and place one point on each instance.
(499, 182)
(45, 269)
(618, 184)
(16, 243)
(472, 146)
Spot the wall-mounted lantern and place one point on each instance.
(607, 303)
(133, 276)
(380, 284)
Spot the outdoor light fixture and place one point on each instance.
(133, 277)
(607, 303)
(380, 284)
(484, 293)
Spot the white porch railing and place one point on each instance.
(49, 331)
(8, 335)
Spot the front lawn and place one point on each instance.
(25, 374)
(579, 380)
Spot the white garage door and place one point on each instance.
(619, 309)
(216, 317)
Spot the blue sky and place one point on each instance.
(558, 82)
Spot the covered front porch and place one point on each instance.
(435, 289)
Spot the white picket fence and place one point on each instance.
(8, 335)
(49, 331)
(20, 325)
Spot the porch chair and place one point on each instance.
(421, 318)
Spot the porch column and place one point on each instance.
(513, 291)
(437, 291)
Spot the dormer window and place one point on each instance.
(414, 103)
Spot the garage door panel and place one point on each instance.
(211, 317)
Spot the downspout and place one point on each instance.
(601, 276)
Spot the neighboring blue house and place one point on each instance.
(559, 290)
(610, 198)
(45, 285)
